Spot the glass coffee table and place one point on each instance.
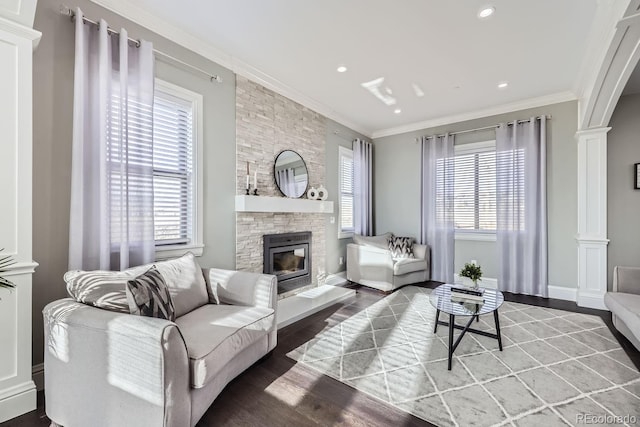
(440, 299)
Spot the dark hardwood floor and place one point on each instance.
(278, 392)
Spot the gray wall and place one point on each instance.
(623, 207)
(397, 188)
(53, 112)
(52, 117)
(337, 135)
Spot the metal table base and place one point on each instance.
(465, 329)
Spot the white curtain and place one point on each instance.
(362, 193)
(437, 204)
(111, 220)
(522, 207)
(287, 182)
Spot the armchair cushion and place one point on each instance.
(381, 241)
(215, 334)
(409, 265)
(148, 296)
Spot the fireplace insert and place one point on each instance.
(288, 257)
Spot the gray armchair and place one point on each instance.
(624, 302)
(107, 368)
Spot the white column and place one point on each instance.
(17, 390)
(592, 217)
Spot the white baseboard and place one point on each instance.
(37, 374)
(591, 300)
(560, 292)
(17, 400)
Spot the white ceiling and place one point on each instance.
(458, 60)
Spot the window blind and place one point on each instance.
(128, 150)
(172, 169)
(346, 191)
(475, 190)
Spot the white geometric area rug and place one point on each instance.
(557, 368)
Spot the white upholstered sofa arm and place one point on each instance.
(122, 369)
(626, 279)
(243, 288)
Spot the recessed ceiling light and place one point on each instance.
(486, 12)
(397, 111)
(503, 85)
(341, 69)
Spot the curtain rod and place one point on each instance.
(67, 11)
(479, 129)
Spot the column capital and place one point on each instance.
(593, 131)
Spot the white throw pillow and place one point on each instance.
(185, 281)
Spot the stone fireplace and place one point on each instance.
(266, 124)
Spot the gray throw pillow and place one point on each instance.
(381, 241)
(149, 296)
(401, 247)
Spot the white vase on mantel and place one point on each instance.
(312, 194)
(323, 194)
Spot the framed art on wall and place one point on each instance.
(636, 176)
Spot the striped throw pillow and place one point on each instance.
(401, 247)
(149, 296)
(101, 289)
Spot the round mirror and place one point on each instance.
(290, 173)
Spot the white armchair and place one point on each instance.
(372, 265)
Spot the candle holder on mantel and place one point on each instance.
(255, 191)
(247, 191)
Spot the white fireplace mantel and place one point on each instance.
(281, 204)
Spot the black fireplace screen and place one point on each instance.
(288, 257)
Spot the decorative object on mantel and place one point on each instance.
(323, 194)
(472, 271)
(637, 176)
(5, 262)
(312, 194)
(291, 174)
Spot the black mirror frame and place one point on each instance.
(276, 180)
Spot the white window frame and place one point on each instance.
(197, 239)
(344, 152)
(475, 235)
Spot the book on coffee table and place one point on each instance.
(466, 291)
(467, 298)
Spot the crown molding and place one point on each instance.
(183, 38)
(478, 114)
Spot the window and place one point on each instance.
(475, 190)
(177, 171)
(345, 161)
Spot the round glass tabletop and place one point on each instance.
(440, 298)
